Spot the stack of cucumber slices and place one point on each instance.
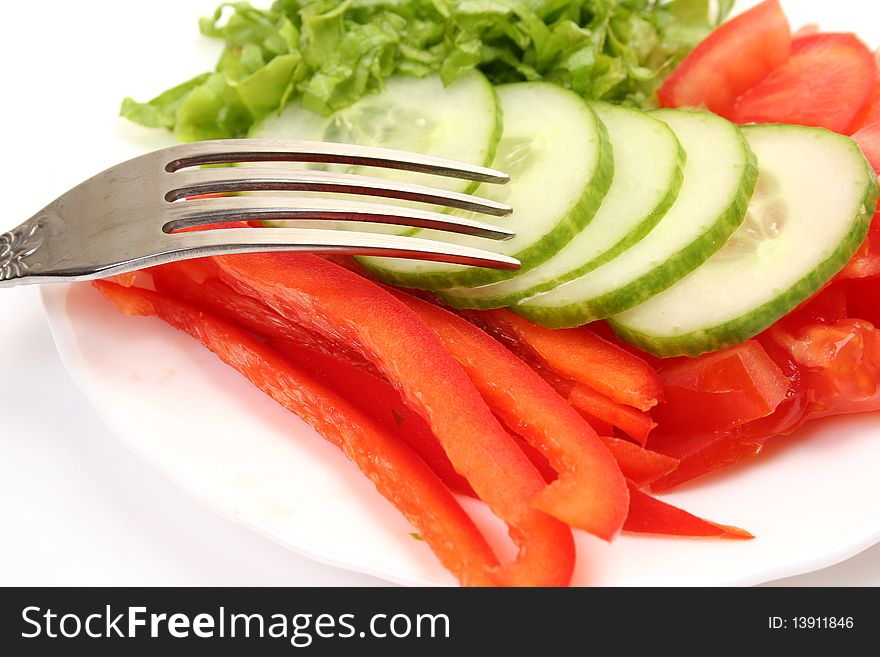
(686, 232)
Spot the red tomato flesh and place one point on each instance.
(718, 391)
(827, 82)
(731, 60)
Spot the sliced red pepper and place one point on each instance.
(638, 464)
(344, 306)
(581, 355)
(377, 398)
(717, 391)
(396, 471)
(827, 81)
(731, 60)
(590, 492)
(648, 515)
(196, 281)
(634, 423)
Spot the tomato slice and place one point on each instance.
(715, 392)
(731, 60)
(866, 261)
(868, 139)
(827, 82)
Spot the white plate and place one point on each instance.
(810, 500)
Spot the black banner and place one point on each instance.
(432, 621)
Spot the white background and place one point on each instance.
(76, 507)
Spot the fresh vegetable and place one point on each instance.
(719, 391)
(730, 61)
(589, 493)
(644, 149)
(648, 515)
(827, 82)
(868, 139)
(634, 423)
(461, 121)
(719, 178)
(341, 305)
(569, 154)
(582, 356)
(641, 466)
(327, 54)
(811, 211)
(396, 471)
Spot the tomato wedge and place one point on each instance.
(827, 82)
(730, 61)
(868, 139)
(590, 492)
(716, 392)
(396, 471)
(343, 306)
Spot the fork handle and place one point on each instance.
(16, 249)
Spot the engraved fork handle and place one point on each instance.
(16, 247)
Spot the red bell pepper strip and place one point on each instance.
(648, 515)
(396, 471)
(590, 492)
(634, 423)
(344, 370)
(581, 355)
(377, 398)
(197, 281)
(731, 60)
(344, 306)
(638, 464)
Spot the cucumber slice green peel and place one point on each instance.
(558, 155)
(648, 164)
(414, 114)
(719, 178)
(810, 213)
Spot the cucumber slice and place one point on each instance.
(411, 114)
(810, 212)
(648, 164)
(719, 177)
(560, 163)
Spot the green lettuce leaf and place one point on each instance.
(329, 53)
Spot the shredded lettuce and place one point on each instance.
(329, 53)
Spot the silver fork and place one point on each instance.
(128, 217)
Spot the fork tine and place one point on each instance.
(195, 182)
(199, 212)
(248, 240)
(228, 151)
